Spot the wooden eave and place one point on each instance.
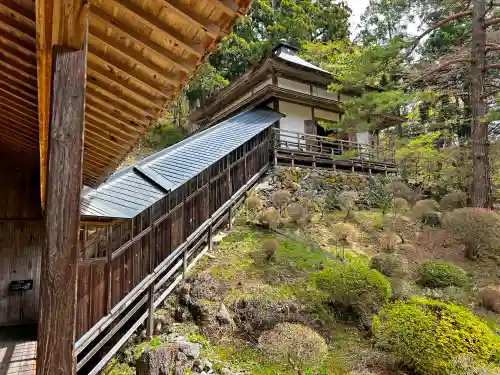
(140, 55)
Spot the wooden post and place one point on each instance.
(230, 217)
(209, 237)
(57, 315)
(152, 252)
(109, 268)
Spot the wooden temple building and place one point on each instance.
(80, 83)
(308, 134)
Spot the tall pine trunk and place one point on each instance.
(481, 181)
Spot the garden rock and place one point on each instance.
(190, 349)
(223, 315)
(158, 361)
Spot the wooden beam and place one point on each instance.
(26, 47)
(26, 13)
(227, 6)
(63, 23)
(18, 94)
(208, 27)
(56, 323)
(143, 41)
(110, 74)
(177, 38)
(116, 102)
(19, 108)
(117, 110)
(167, 76)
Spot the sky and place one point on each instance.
(357, 7)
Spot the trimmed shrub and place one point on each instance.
(390, 264)
(427, 335)
(453, 200)
(476, 228)
(424, 207)
(399, 205)
(270, 218)
(280, 199)
(295, 342)
(490, 298)
(253, 202)
(400, 190)
(344, 233)
(270, 247)
(467, 364)
(347, 200)
(298, 213)
(355, 289)
(389, 240)
(401, 289)
(440, 274)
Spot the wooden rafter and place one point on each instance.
(112, 75)
(17, 93)
(115, 109)
(227, 6)
(142, 40)
(15, 106)
(111, 119)
(26, 13)
(209, 27)
(177, 38)
(26, 47)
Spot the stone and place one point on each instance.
(181, 314)
(190, 349)
(433, 219)
(223, 315)
(157, 361)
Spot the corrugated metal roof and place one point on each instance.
(289, 53)
(132, 190)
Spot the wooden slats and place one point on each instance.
(26, 46)
(26, 13)
(19, 108)
(117, 110)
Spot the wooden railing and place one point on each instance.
(334, 149)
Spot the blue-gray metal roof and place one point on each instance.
(131, 190)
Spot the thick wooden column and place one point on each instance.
(56, 325)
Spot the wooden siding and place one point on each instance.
(21, 240)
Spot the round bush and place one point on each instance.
(476, 228)
(424, 207)
(355, 288)
(390, 264)
(490, 298)
(400, 190)
(270, 218)
(427, 335)
(347, 200)
(270, 247)
(280, 199)
(399, 205)
(253, 202)
(440, 274)
(298, 213)
(299, 343)
(389, 240)
(453, 200)
(344, 233)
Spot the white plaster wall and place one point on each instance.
(364, 138)
(321, 92)
(326, 115)
(295, 116)
(294, 85)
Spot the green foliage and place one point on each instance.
(206, 82)
(392, 264)
(295, 342)
(440, 274)
(200, 339)
(378, 195)
(270, 218)
(115, 367)
(478, 229)
(453, 200)
(399, 205)
(427, 335)
(355, 288)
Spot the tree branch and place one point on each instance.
(491, 66)
(438, 68)
(491, 22)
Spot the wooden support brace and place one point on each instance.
(209, 237)
(184, 263)
(109, 268)
(230, 217)
(151, 311)
(57, 315)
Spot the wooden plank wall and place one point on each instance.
(181, 213)
(21, 239)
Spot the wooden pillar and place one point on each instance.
(152, 253)
(56, 324)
